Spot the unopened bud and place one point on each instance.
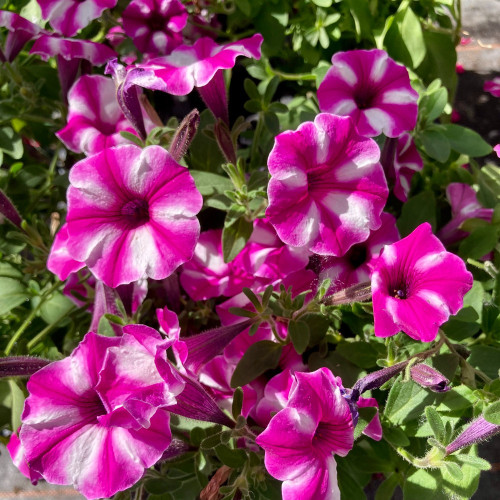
(225, 141)
(8, 210)
(184, 135)
(21, 366)
(426, 376)
(478, 430)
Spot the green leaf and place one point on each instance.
(386, 489)
(318, 326)
(209, 184)
(418, 209)
(492, 413)
(258, 358)
(234, 238)
(476, 462)
(299, 333)
(361, 354)
(271, 122)
(12, 294)
(229, 457)
(57, 306)
(435, 422)
(453, 470)
(479, 242)
(360, 12)
(466, 141)
(323, 3)
(424, 483)
(435, 144)
(365, 417)
(405, 402)
(405, 40)
(395, 436)
(251, 89)
(160, 486)
(237, 403)
(433, 104)
(11, 143)
(16, 405)
(211, 441)
(458, 398)
(485, 358)
(132, 138)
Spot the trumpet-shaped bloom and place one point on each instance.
(327, 189)
(464, 205)
(95, 119)
(301, 439)
(95, 419)
(69, 16)
(131, 214)
(262, 261)
(371, 88)
(416, 285)
(155, 26)
(354, 266)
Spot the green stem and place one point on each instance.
(31, 316)
(255, 143)
(34, 341)
(293, 76)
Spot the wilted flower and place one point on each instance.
(301, 439)
(131, 214)
(155, 26)
(69, 16)
(197, 65)
(427, 376)
(416, 285)
(94, 119)
(327, 187)
(464, 206)
(371, 88)
(95, 419)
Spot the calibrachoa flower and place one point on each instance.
(327, 187)
(416, 285)
(94, 119)
(493, 86)
(21, 31)
(197, 65)
(155, 26)
(94, 419)
(69, 16)
(354, 266)
(301, 439)
(131, 214)
(464, 206)
(371, 88)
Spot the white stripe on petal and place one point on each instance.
(345, 72)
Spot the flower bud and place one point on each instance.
(21, 366)
(478, 430)
(426, 376)
(184, 135)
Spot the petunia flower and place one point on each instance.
(73, 56)
(371, 88)
(21, 31)
(300, 440)
(416, 285)
(464, 206)
(95, 419)
(198, 65)
(95, 119)
(327, 187)
(155, 26)
(131, 214)
(354, 266)
(69, 16)
(493, 86)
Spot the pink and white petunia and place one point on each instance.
(374, 90)
(263, 260)
(131, 214)
(493, 87)
(416, 285)
(21, 31)
(198, 65)
(155, 26)
(79, 428)
(327, 187)
(300, 440)
(95, 119)
(354, 266)
(464, 206)
(69, 16)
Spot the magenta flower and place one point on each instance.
(300, 439)
(354, 266)
(95, 119)
(94, 419)
(197, 65)
(21, 31)
(69, 16)
(262, 261)
(416, 285)
(131, 214)
(155, 26)
(374, 90)
(374, 428)
(327, 189)
(464, 206)
(493, 86)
